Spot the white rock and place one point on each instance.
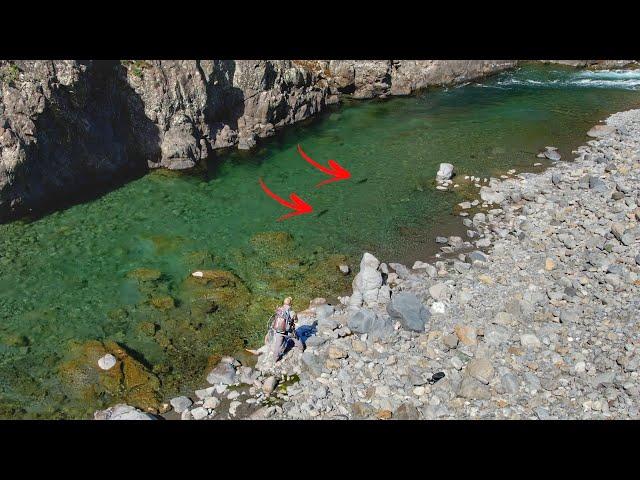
(122, 411)
(369, 261)
(198, 274)
(529, 340)
(233, 407)
(220, 388)
(180, 404)
(437, 307)
(456, 362)
(211, 402)
(205, 392)
(440, 292)
(445, 172)
(384, 295)
(199, 413)
(107, 362)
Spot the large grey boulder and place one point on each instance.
(312, 363)
(122, 412)
(367, 321)
(409, 311)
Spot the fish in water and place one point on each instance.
(322, 212)
(362, 181)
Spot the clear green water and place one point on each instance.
(65, 278)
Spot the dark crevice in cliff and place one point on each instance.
(85, 144)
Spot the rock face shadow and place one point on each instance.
(91, 136)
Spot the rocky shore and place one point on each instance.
(534, 316)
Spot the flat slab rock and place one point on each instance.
(601, 131)
(122, 412)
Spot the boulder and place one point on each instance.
(600, 131)
(409, 311)
(552, 155)
(367, 321)
(473, 389)
(445, 172)
(312, 363)
(199, 413)
(180, 404)
(367, 282)
(269, 385)
(223, 373)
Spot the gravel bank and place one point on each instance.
(534, 316)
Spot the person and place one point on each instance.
(282, 330)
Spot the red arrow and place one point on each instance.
(299, 206)
(337, 171)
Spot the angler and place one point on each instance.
(282, 330)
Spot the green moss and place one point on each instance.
(136, 67)
(272, 243)
(14, 340)
(145, 274)
(9, 74)
(163, 302)
(127, 381)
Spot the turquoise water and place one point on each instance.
(67, 278)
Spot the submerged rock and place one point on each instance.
(127, 380)
(107, 362)
(122, 411)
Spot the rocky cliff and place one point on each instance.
(71, 127)
(68, 127)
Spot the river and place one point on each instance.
(118, 267)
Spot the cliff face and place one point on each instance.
(72, 126)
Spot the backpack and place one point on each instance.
(281, 320)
